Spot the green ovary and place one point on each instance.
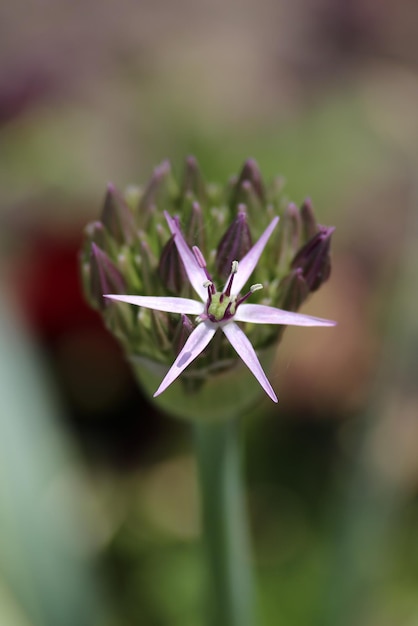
(217, 309)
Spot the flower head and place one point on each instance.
(176, 245)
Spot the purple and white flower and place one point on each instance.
(220, 310)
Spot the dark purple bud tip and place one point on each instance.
(314, 258)
(105, 277)
(235, 243)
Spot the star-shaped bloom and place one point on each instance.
(220, 310)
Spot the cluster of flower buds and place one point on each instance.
(133, 249)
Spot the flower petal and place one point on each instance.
(195, 273)
(262, 314)
(195, 344)
(171, 305)
(242, 345)
(247, 264)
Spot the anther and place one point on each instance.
(208, 284)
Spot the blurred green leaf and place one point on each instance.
(43, 556)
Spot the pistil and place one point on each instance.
(222, 306)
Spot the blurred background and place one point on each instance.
(99, 520)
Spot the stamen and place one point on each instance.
(211, 289)
(234, 270)
(253, 288)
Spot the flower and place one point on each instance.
(219, 310)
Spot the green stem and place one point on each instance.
(224, 524)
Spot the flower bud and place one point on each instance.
(171, 269)
(117, 217)
(314, 258)
(104, 277)
(250, 198)
(193, 183)
(148, 262)
(95, 233)
(132, 196)
(195, 231)
(150, 197)
(132, 251)
(235, 243)
(251, 172)
(293, 290)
